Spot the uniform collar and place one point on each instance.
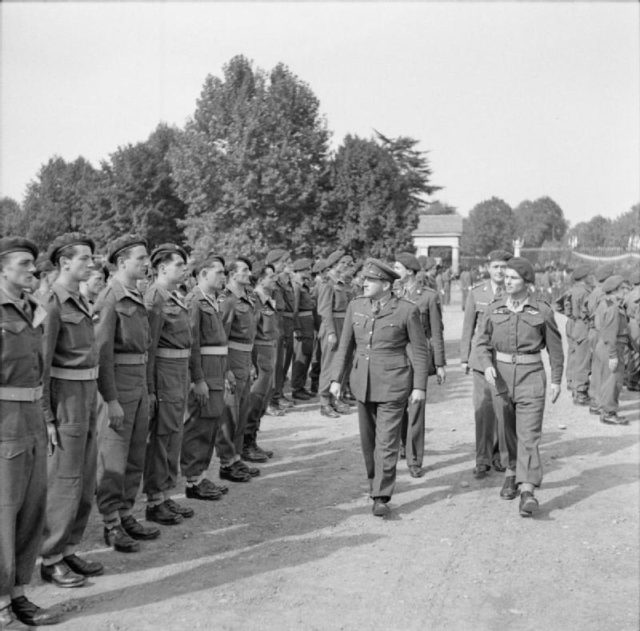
(78, 299)
(120, 291)
(38, 312)
(201, 295)
(266, 300)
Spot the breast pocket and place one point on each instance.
(14, 344)
(78, 328)
(134, 327)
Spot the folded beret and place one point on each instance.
(603, 272)
(522, 266)
(168, 248)
(319, 266)
(273, 256)
(612, 283)
(67, 240)
(499, 255)
(17, 244)
(581, 271)
(334, 257)
(429, 263)
(122, 243)
(377, 270)
(409, 260)
(300, 265)
(245, 259)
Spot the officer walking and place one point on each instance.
(122, 335)
(23, 438)
(380, 329)
(514, 331)
(168, 383)
(303, 328)
(70, 407)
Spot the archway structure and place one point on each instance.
(441, 231)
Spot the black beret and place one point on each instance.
(273, 256)
(499, 255)
(246, 260)
(122, 243)
(334, 257)
(17, 244)
(319, 266)
(603, 272)
(300, 265)
(429, 263)
(581, 271)
(259, 268)
(207, 261)
(409, 260)
(523, 267)
(67, 240)
(612, 283)
(377, 270)
(168, 248)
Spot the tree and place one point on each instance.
(250, 161)
(489, 226)
(10, 216)
(438, 208)
(368, 206)
(625, 229)
(539, 221)
(593, 233)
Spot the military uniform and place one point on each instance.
(510, 339)
(238, 315)
(168, 380)
(484, 401)
(465, 286)
(382, 376)
(285, 303)
(596, 369)
(632, 309)
(69, 402)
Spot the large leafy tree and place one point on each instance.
(438, 208)
(593, 233)
(539, 221)
(250, 161)
(489, 226)
(10, 216)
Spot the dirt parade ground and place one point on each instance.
(298, 547)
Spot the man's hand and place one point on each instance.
(465, 367)
(613, 363)
(253, 372)
(201, 393)
(555, 392)
(230, 382)
(490, 375)
(297, 334)
(335, 388)
(115, 414)
(441, 375)
(52, 437)
(332, 338)
(153, 404)
(416, 396)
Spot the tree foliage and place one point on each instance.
(10, 216)
(489, 226)
(438, 208)
(539, 221)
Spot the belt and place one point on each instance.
(287, 314)
(129, 359)
(75, 374)
(173, 353)
(264, 343)
(518, 358)
(12, 393)
(240, 346)
(340, 314)
(305, 313)
(214, 350)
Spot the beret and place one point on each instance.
(499, 255)
(259, 267)
(612, 283)
(603, 272)
(377, 270)
(429, 263)
(581, 271)
(17, 244)
(409, 261)
(167, 248)
(244, 259)
(319, 266)
(299, 265)
(522, 266)
(205, 262)
(634, 277)
(122, 243)
(66, 240)
(273, 256)
(334, 257)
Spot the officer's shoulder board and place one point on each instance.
(482, 283)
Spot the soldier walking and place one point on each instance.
(303, 328)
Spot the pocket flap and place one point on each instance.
(126, 310)
(14, 326)
(10, 449)
(73, 317)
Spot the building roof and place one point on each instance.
(432, 225)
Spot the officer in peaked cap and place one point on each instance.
(23, 475)
(480, 296)
(381, 329)
(70, 408)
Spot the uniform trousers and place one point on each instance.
(284, 357)
(632, 363)
(596, 369)
(205, 427)
(264, 358)
(380, 424)
(121, 452)
(165, 427)
(316, 363)
(413, 431)
(23, 490)
(578, 359)
(521, 388)
(239, 363)
(327, 353)
(302, 351)
(610, 381)
(484, 404)
(71, 471)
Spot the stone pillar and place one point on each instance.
(455, 257)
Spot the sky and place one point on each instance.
(513, 100)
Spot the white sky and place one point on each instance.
(513, 100)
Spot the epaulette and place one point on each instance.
(480, 284)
